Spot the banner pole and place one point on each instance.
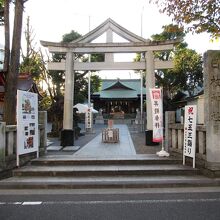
(17, 160)
(194, 162)
(162, 153)
(183, 159)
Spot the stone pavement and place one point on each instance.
(134, 139)
(96, 147)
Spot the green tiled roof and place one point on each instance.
(130, 88)
(118, 94)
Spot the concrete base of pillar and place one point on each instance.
(149, 138)
(67, 138)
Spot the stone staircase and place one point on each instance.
(140, 171)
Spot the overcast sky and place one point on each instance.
(51, 19)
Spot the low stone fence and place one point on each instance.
(174, 135)
(8, 143)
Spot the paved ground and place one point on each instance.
(97, 148)
(165, 206)
(138, 139)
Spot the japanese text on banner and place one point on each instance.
(89, 118)
(190, 131)
(157, 114)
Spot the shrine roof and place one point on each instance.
(25, 83)
(118, 94)
(120, 88)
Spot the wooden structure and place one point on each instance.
(110, 135)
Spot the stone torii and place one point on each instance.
(85, 45)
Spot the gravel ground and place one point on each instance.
(139, 143)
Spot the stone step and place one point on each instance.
(106, 170)
(107, 182)
(125, 160)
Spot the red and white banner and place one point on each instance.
(190, 132)
(157, 114)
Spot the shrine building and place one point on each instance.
(119, 95)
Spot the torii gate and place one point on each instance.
(84, 45)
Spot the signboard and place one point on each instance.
(88, 118)
(110, 133)
(157, 114)
(190, 133)
(27, 123)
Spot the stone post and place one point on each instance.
(2, 144)
(212, 105)
(169, 119)
(67, 134)
(150, 83)
(42, 118)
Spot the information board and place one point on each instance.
(88, 118)
(27, 123)
(189, 148)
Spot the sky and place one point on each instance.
(51, 19)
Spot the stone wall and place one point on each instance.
(8, 144)
(212, 107)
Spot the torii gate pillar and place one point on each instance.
(150, 83)
(67, 134)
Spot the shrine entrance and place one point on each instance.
(85, 45)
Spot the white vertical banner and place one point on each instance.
(157, 114)
(189, 146)
(89, 118)
(27, 123)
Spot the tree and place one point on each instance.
(188, 70)
(30, 57)
(80, 83)
(73, 35)
(187, 73)
(199, 16)
(1, 12)
(4, 20)
(166, 78)
(12, 72)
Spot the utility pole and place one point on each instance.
(89, 78)
(141, 73)
(89, 114)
